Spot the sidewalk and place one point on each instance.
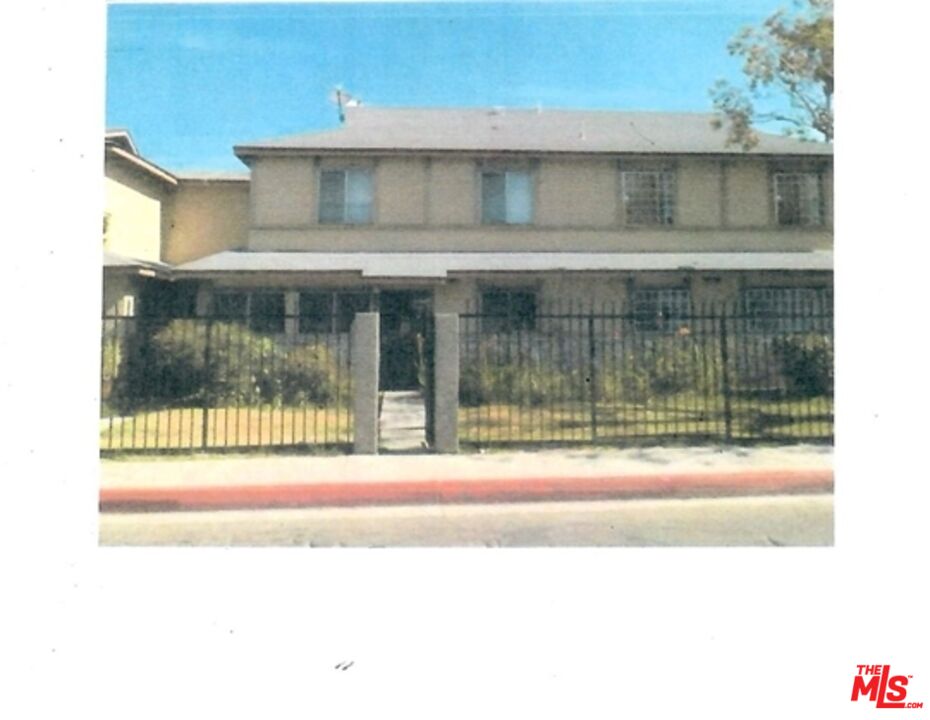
(568, 474)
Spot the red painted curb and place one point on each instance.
(464, 490)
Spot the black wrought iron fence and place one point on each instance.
(185, 383)
(614, 374)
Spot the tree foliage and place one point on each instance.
(789, 57)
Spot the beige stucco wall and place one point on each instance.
(580, 193)
(699, 193)
(431, 204)
(748, 196)
(400, 191)
(582, 290)
(535, 239)
(284, 192)
(559, 291)
(134, 206)
(452, 195)
(206, 218)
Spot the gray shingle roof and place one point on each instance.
(501, 130)
(440, 265)
(115, 261)
(211, 175)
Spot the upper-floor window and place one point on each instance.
(506, 310)
(649, 195)
(346, 196)
(261, 311)
(506, 197)
(661, 309)
(798, 198)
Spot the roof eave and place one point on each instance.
(144, 165)
(246, 153)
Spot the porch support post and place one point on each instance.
(202, 301)
(365, 361)
(446, 387)
(291, 309)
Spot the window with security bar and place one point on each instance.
(649, 196)
(505, 310)
(661, 310)
(786, 309)
(798, 200)
(346, 197)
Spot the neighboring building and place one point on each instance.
(154, 218)
(410, 210)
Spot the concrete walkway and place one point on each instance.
(242, 482)
(402, 421)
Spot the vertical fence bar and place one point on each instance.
(592, 375)
(205, 425)
(725, 378)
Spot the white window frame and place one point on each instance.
(665, 201)
(509, 210)
(345, 217)
(810, 207)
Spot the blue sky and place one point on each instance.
(190, 81)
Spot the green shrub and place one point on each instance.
(510, 382)
(806, 364)
(661, 367)
(308, 375)
(180, 365)
(111, 362)
(237, 365)
(667, 366)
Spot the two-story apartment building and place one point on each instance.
(406, 210)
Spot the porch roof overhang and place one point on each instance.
(115, 263)
(440, 266)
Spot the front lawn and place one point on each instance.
(227, 427)
(673, 417)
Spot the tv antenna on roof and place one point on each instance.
(343, 100)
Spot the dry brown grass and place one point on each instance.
(182, 428)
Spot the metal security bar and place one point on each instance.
(577, 374)
(221, 383)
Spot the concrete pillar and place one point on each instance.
(291, 310)
(446, 365)
(204, 296)
(365, 362)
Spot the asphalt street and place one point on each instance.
(773, 520)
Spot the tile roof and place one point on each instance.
(521, 130)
